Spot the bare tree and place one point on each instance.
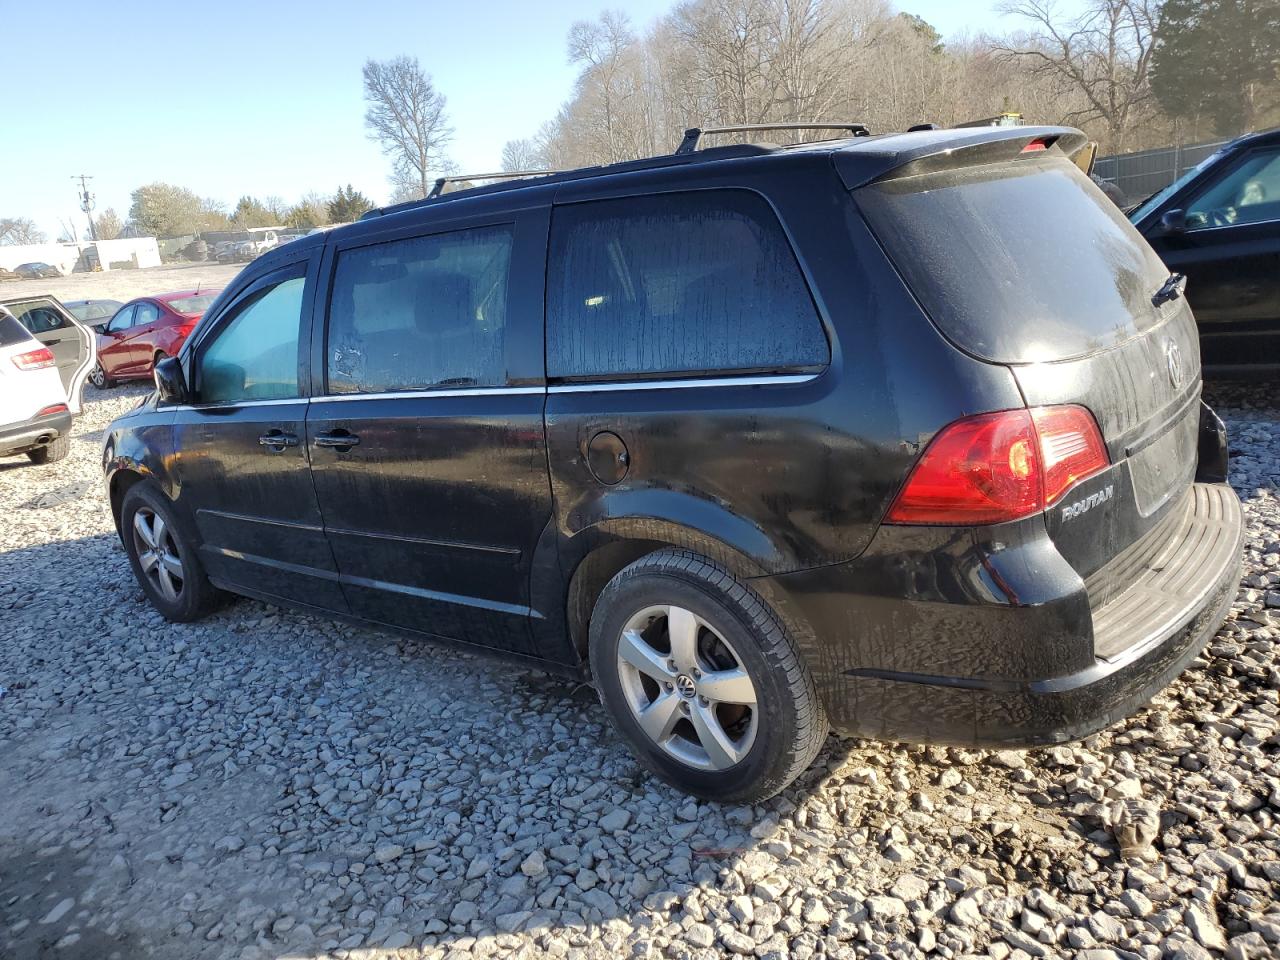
(601, 48)
(15, 231)
(521, 155)
(406, 114)
(108, 224)
(1105, 54)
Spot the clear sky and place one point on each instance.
(265, 97)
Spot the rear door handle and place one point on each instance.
(337, 439)
(277, 441)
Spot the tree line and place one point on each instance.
(168, 210)
(1131, 73)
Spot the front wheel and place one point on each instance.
(164, 561)
(98, 377)
(698, 674)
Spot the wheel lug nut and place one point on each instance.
(669, 687)
(704, 701)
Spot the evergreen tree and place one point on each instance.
(347, 205)
(251, 212)
(1216, 60)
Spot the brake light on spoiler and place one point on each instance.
(996, 467)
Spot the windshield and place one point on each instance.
(1020, 261)
(1160, 196)
(196, 304)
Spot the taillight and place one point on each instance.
(996, 467)
(49, 411)
(1071, 448)
(34, 359)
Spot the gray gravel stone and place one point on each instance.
(265, 783)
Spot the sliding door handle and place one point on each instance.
(339, 439)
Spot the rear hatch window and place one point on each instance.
(1021, 261)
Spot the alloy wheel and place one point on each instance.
(158, 553)
(98, 377)
(687, 687)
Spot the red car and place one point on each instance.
(145, 331)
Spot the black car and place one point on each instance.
(881, 433)
(37, 270)
(1219, 225)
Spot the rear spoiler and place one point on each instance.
(907, 155)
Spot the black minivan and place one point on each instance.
(897, 435)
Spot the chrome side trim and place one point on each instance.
(201, 407)
(603, 386)
(760, 381)
(418, 394)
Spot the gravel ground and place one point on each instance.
(265, 785)
(124, 285)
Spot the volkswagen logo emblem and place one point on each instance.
(686, 687)
(1173, 360)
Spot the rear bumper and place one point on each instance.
(1045, 669)
(21, 437)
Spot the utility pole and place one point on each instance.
(86, 203)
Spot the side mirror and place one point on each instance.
(170, 383)
(1174, 221)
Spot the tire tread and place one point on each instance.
(774, 642)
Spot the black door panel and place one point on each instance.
(243, 469)
(253, 504)
(1233, 285)
(432, 515)
(428, 452)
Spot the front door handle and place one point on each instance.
(339, 439)
(277, 440)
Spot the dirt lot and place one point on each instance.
(270, 785)
(124, 285)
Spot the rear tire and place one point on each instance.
(698, 674)
(163, 558)
(51, 452)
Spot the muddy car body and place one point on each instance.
(760, 438)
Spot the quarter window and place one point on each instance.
(675, 284)
(255, 355)
(420, 313)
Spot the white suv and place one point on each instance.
(39, 395)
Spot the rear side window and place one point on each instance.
(678, 283)
(39, 317)
(1022, 261)
(420, 313)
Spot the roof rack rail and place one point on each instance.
(694, 134)
(504, 175)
